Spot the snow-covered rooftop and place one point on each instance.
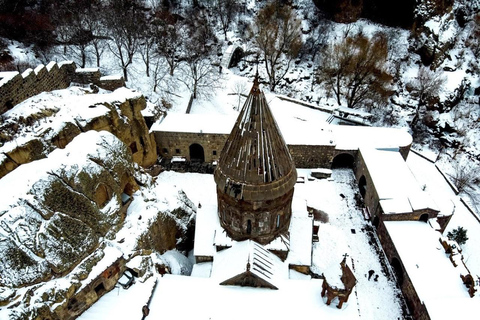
(201, 298)
(233, 261)
(195, 123)
(436, 281)
(397, 189)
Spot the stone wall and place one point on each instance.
(16, 87)
(309, 156)
(175, 144)
(416, 307)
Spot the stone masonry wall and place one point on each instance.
(17, 87)
(178, 144)
(416, 307)
(309, 156)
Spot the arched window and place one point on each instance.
(397, 268)
(362, 186)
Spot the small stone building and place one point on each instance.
(255, 175)
(338, 283)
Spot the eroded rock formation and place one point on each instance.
(50, 216)
(39, 125)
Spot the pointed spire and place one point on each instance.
(256, 85)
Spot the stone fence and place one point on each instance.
(16, 87)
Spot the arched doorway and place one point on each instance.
(397, 268)
(237, 55)
(196, 153)
(362, 186)
(424, 217)
(343, 160)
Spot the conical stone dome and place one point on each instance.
(255, 175)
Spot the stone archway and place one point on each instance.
(362, 186)
(343, 160)
(397, 268)
(424, 217)
(197, 153)
(236, 57)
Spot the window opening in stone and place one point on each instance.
(177, 151)
(278, 221)
(100, 289)
(133, 147)
(214, 152)
(165, 150)
(376, 222)
(397, 268)
(362, 185)
(249, 226)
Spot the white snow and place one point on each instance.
(397, 189)
(435, 279)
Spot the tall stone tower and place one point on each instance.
(255, 175)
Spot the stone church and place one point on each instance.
(254, 242)
(255, 175)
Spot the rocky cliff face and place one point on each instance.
(51, 217)
(39, 125)
(68, 228)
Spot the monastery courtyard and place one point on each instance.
(344, 230)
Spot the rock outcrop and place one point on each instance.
(55, 210)
(39, 125)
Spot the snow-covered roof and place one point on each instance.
(250, 255)
(207, 222)
(356, 137)
(202, 298)
(397, 189)
(300, 125)
(300, 234)
(195, 123)
(436, 281)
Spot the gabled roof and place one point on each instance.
(255, 153)
(248, 263)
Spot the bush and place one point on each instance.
(459, 235)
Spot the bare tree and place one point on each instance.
(278, 36)
(95, 22)
(425, 87)
(125, 31)
(465, 176)
(354, 70)
(200, 76)
(239, 88)
(170, 36)
(226, 12)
